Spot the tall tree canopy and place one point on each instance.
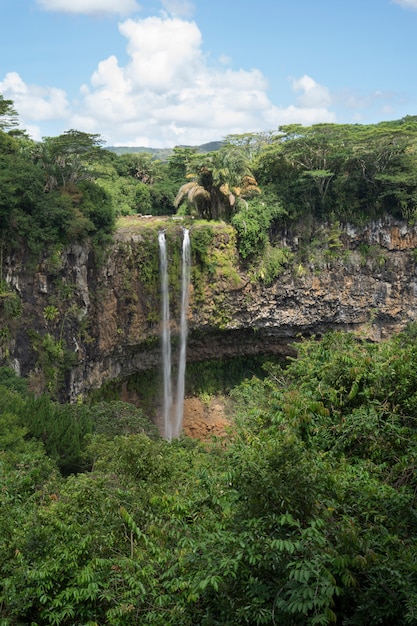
(349, 171)
(69, 158)
(217, 181)
(47, 190)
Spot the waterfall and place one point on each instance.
(173, 422)
(185, 284)
(166, 337)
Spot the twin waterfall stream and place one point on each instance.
(173, 411)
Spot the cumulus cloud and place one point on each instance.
(121, 7)
(165, 53)
(407, 4)
(34, 103)
(168, 93)
(312, 94)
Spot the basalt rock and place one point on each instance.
(86, 320)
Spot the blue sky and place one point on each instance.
(161, 73)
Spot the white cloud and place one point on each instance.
(34, 132)
(168, 93)
(165, 53)
(34, 103)
(121, 7)
(407, 4)
(312, 94)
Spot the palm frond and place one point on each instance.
(184, 191)
(198, 193)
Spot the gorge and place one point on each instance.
(87, 319)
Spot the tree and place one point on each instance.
(344, 171)
(304, 514)
(251, 143)
(217, 182)
(179, 163)
(69, 159)
(8, 115)
(141, 166)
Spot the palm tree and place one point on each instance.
(217, 181)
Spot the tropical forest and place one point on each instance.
(302, 509)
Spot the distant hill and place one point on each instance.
(164, 153)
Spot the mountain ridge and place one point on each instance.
(164, 153)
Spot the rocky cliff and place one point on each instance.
(81, 317)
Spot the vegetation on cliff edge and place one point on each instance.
(305, 514)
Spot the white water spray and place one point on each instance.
(185, 284)
(173, 421)
(166, 337)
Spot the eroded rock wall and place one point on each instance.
(87, 319)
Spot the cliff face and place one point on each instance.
(80, 321)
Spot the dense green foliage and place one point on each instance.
(48, 194)
(138, 183)
(252, 223)
(351, 172)
(326, 172)
(217, 181)
(306, 513)
(69, 187)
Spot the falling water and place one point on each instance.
(166, 338)
(185, 284)
(173, 423)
